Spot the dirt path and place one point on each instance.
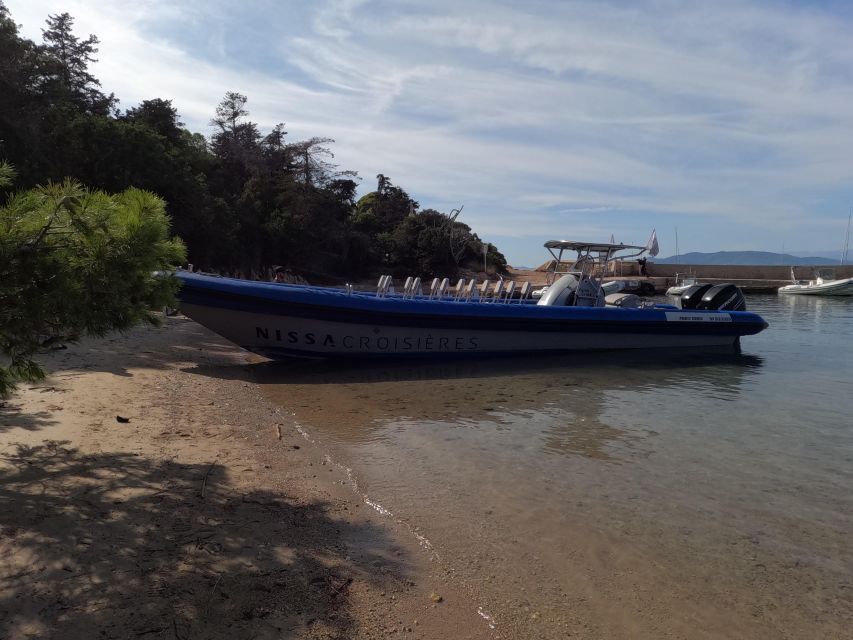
(146, 491)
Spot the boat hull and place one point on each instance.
(288, 321)
(277, 336)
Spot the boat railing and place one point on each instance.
(465, 290)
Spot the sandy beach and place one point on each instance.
(147, 490)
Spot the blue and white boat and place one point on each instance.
(470, 319)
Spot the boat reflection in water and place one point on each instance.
(820, 313)
(567, 404)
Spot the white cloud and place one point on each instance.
(732, 117)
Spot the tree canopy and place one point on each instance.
(241, 198)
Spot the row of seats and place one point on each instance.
(464, 291)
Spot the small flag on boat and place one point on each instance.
(652, 246)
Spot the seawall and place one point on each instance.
(750, 278)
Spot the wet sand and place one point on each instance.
(148, 491)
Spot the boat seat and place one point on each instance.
(443, 287)
(497, 292)
(384, 286)
(525, 292)
(484, 290)
(460, 289)
(433, 288)
(416, 288)
(471, 289)
(510, 289)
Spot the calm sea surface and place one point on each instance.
(631, 495)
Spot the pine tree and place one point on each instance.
(18, 62)
(66, 74)
(77, 262)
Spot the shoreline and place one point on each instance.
(209, 513)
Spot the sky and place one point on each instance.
(730, 121)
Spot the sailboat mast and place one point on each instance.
(847, 238)
(676, 245)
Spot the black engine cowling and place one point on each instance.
(646, 288)
(723, 297)
(692, 297)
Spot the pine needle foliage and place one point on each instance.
(75, 262)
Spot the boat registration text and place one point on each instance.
(676, 316)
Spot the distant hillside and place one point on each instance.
(830, 256)
(743, 257)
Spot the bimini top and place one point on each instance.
(603, 247)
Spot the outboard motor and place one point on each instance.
(692, 297)
(723, 297)
(646, 289)
(561, 293)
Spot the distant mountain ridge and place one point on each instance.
(745, 257)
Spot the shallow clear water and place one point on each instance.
(624, 495)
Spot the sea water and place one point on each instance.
(639, 494)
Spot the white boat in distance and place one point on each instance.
(824, 284)
(285, 320)
(682, 283)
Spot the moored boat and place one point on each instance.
(823, 284)
(683, 281)
(281, 320)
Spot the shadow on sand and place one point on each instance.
(99, 354)
(11, 417)
(122, 546)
